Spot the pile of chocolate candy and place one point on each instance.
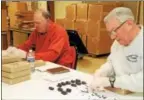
(72, 83)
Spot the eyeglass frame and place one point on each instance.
(114, 31)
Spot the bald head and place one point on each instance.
(44, 13)
(41, 18)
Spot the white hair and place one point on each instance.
(120, 13)
(45, 13)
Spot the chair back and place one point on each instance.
(74, 56)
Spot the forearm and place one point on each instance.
(133, 82)
(104, 70)
(26, 46)
(47, 56)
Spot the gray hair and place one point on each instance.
(120, 13)
(45, 13)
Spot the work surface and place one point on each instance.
(39, 87)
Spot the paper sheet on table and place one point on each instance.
(47, 66)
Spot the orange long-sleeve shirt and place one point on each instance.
(52, 46)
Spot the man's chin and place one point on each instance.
(124, 44)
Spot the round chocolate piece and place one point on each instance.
(51, 88)
(72, 81)
(68, 90)
(60, 89)
(63, 83)
(73, 85)
(64, 92)
(83, 82)
(67, 82)
(77, 80)
(78, 83)
(59, 85)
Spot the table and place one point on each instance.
(15, 29)
(37, 87)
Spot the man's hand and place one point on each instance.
(14, 51)
(20, 53)
(98, 83)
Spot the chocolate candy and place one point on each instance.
(77, 80)
(68, 90)
(60, 89)
(63, 83)
(73, 85)
(51, 88)
(59, 85)
(83, 82)
(72, 81)
(64, 92)
(67, 82)
(78, 83)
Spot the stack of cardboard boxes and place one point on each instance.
(15, 69)
(87, 19)
(16, 72)
(70, 16)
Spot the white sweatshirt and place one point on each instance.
(127, 63)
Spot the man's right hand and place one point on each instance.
(14, 51)
(98, 83)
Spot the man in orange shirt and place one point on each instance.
(51, 40)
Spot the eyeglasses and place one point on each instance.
(114, 31)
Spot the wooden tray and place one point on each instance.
(119, 90)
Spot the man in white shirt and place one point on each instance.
(124, 66)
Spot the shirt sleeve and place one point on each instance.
(54, 50)
(107, 69)
(28, 43)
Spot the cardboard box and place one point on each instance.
(22, 6)
(93, 28)
(102, 25)
(82, 11)
(16, 74)
(71, 12)
(16, 66)
(81, 26)
(95, 12)
(15, 80)
(104, 43)
(69, 24)
(108, 8)
(99, 44)
(61, 22)
(92, 44)
(104, 14)
(10, 59)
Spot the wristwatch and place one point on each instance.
(112, 80)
